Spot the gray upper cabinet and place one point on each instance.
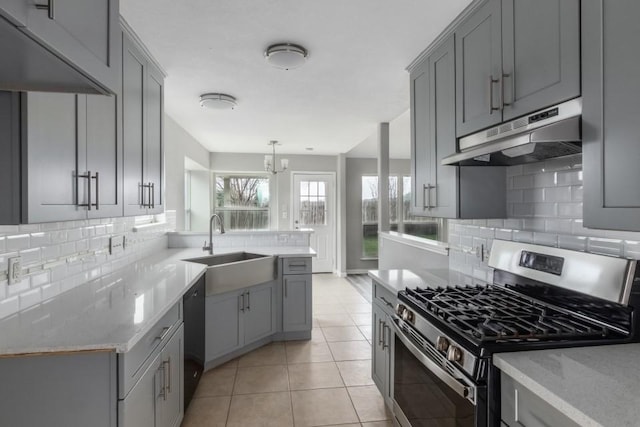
(514, 57)
(104, 155)
(610, 125)
(82, 32)
(15, 11)
(73, 155)
(155, 139)
(540, 54)
(53, 135)
(479, 69)
(446, 191)
(143, 123)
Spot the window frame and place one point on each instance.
(246, 174)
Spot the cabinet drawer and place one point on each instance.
(384, 298)
(296, 265)
(131, 365)
(521, 407)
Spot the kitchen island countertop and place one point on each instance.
(113, 312)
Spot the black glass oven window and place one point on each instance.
(423, 398)
(545, 263)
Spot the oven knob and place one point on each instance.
(407, 315)
(400, 309)
(454, 354)
(442, 344)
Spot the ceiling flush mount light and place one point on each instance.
(218, 101)
(286, 55)
(270, 161)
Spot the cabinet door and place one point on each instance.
(15, 11)
(421, 161)
(154, 151)
(379, 362)
(541, 54)
(103, 155)
(171, 409)
(140, 406)
(222, 324)
(479, 70)
(610, 115)
(442, 194)
(53, 137)
(83, 33)
(297, 303)
(133, 124)
(259, 314)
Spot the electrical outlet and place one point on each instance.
(15, 270)
(117, 244)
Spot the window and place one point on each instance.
(400, 217)
(313, 203)
(242, 201)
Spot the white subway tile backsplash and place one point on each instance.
(573, 177)
(535, 195)
(8, 229)
(513, 223)
(3, 246)
(74, 234)
(9, 306)
(40, 239)
(557, 225)
(17, 242)
(29, 298)
(605, 246)
(515, 196)
(545, 239)
(515, 170)
(522, 181)
(562, 163)
(522, 236)
(504, 234)
(576, 193)
(523, 209)
(576, 243)
(533, 168)
(30, 256)
(534, 224)
(570, 210)
(495, 223)
(545, 179)
(557, 194)
(545, 209)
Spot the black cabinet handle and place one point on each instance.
(97, 203)
(48, 7)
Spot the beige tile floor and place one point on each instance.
(322, 382)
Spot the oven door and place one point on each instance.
(425, 393)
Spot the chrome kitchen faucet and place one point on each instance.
(210, 246)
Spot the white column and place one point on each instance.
(383, 178)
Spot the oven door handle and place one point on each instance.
(467, 392)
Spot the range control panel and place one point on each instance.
(542, 262)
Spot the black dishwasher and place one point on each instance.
(193, 309)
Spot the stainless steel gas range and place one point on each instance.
(541, 297)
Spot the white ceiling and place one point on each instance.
(354, 78)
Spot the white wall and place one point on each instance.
(178, 144)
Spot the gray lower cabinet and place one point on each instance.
(507, 67)
(297, 302)
(440, 190)
(156, 399)
(383, 340)
(65, 154)
(519, 406)
(610, 125)
(76, 389)
(143, 124)
(236, 319)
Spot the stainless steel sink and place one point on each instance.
(228, 272)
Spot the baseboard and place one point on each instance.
(358, 271)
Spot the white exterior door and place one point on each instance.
(314, 207)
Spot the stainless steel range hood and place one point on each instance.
(552, 132)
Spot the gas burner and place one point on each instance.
(496, 314)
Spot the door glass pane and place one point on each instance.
(313, 207)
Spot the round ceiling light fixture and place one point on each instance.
(218, 101)
(286, 55)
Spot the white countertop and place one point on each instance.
(398, 280)
(594, 386)
(114, 311)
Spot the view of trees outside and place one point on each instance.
(417, 226)
(243, 201)
(313, 203)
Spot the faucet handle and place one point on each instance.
(205, 247)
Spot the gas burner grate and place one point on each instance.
(495, 314)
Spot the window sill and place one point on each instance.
(368, 258)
